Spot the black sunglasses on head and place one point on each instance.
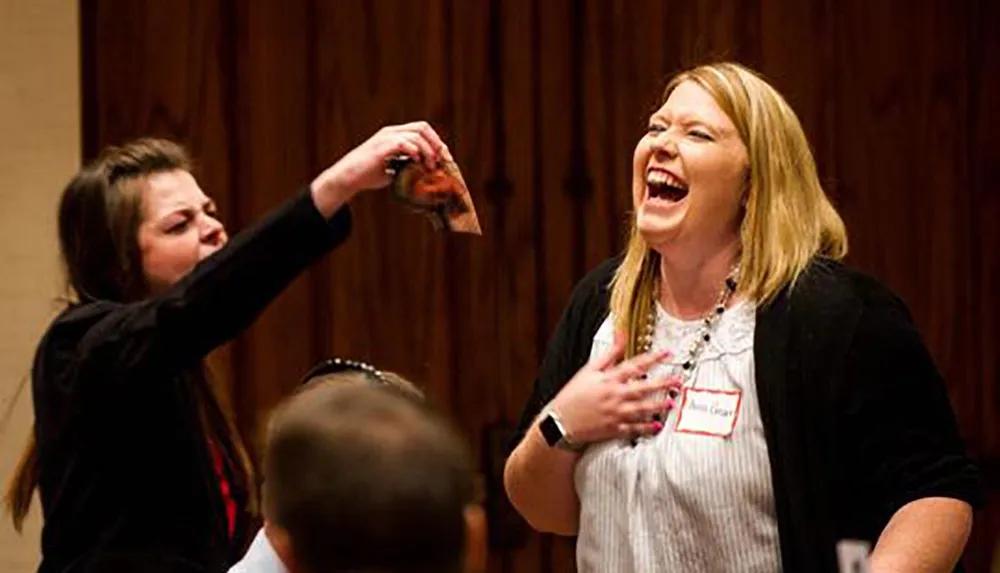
(338, 365)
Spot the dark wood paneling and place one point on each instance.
(982, 165)
(542, 102)
(272, 133)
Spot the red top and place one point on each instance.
(227, 497)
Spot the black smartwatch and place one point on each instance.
(555, 434)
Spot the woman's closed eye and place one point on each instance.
(178, 226)
(700, 134)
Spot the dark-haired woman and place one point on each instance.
(138, 466)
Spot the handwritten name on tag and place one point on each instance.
(709, 412)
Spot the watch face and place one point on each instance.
(550, 431)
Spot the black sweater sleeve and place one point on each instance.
(906, 441)
(218, 299)
(569, 347)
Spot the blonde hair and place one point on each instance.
(788, 219)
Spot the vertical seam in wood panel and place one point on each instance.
(976, 274)
(90, 124)
(454, 315)
(748, 49)
(609, 55)
(578, 182)
(319, 276)
(832, 108)
(545, 541)
(243, 394)
(537, 192)
(498, 192)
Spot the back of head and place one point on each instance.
(99, 216)
(361, 479)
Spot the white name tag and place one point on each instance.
(709, 412)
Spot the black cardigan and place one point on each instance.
(127, 482)
(856, 417)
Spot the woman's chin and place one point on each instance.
(657, 230)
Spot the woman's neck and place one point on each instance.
(690, 286)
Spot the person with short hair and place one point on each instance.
(358, 479)
(261, 556)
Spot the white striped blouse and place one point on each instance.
(684, 502)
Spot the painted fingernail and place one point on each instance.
(657, 427)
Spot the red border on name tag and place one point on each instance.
(684, 398)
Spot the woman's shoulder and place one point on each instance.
(72, 324)
(78, 317)
(838, 278)
(829, 287)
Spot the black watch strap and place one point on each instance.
(555, 434)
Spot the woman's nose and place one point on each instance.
(665, 144)
(212, 231)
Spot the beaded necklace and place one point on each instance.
(709, 322)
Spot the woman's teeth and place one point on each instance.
(663, 185)
(663, 179)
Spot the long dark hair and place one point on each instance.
(99, 216)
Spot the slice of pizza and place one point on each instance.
(440, 193)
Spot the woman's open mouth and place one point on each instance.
(665, 186)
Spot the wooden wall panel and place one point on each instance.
(388, 286)
(272, 160)
(542, 103)
(982, 165)
(980, 412)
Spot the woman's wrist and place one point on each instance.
(329, 194)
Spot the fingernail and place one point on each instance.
(657, 427)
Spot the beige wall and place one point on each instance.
(39, 150)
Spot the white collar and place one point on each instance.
(259, 558)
